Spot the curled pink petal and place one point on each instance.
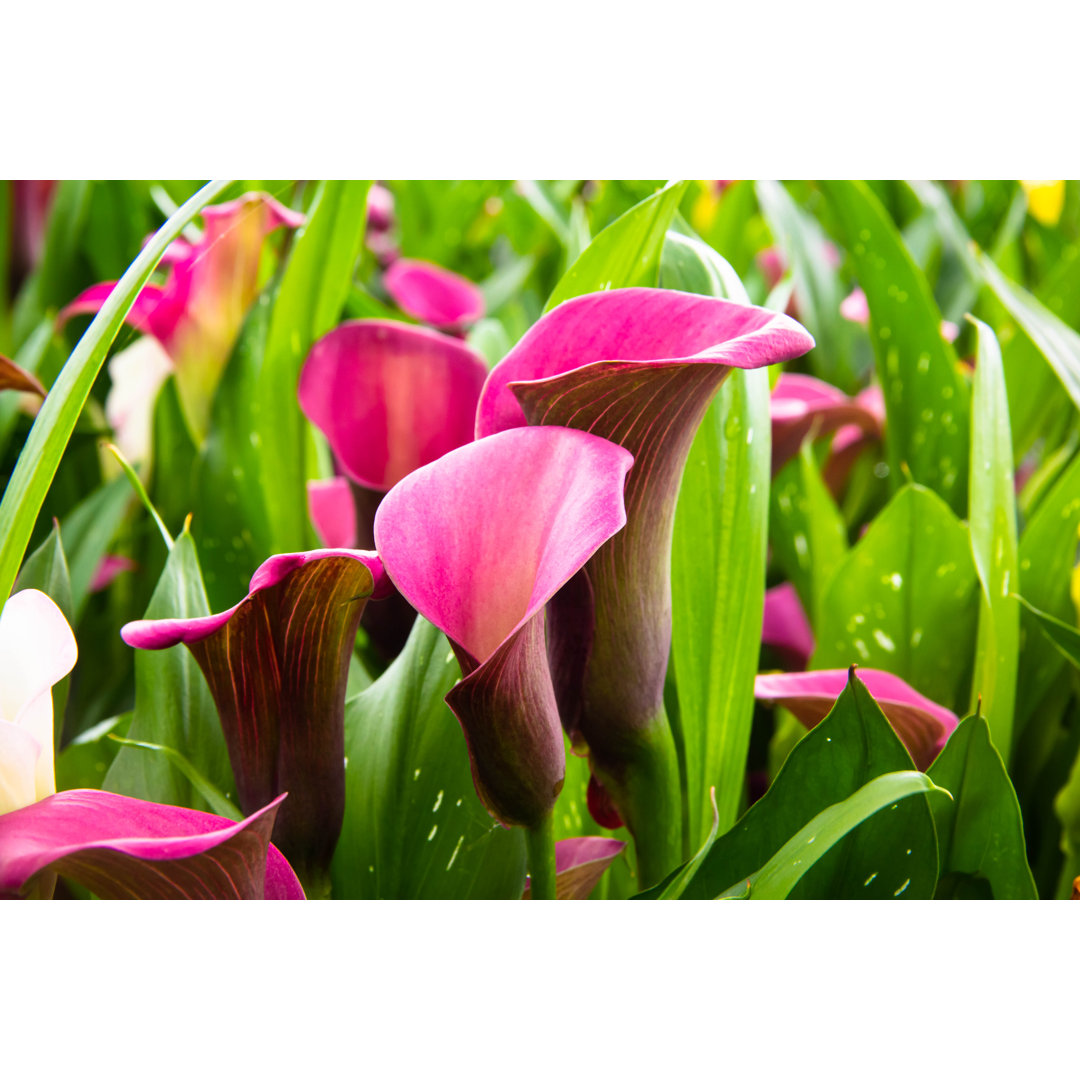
(380, 208)
(277, 665)
(785, 626)
(123, 848)
(922, 725)
(333, 511)
(580, 863)
(433, 295)
(545, 500)
(390, 397)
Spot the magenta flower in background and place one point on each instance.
(434, 295)
(277, 665)
(31, 201)
(800, 404)
(922, 724)
(785, 626)
(115, 846)
(197, 314)
(580, 863)
(478, 542)
(389, 398)
(638, 367)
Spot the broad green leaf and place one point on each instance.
(55, 422)
(992, 520)
(674, 889)
(807, 531)
(817, 284)
(718, 593)
(85, 760)
(414, 827)
(1064, 638)
(1067, 809)
(88, 530)
(314, 286)
(776, 879)
(173, 706)
(687, 263)
(892, 854)
(175, 455)
(1047, 555)
(626, 253)
(904, 600)
(980, 833)
(1057, 342)
(926, 398)
(213, 798)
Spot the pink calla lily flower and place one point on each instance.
(434, 295)
(800, 403)
(31, 201)
(637, 366)
(109, 569)
(478, 542)
(389, 398)
(116, 846)
(277, 666)
(333, 512)
(922, 724)
(580, 863)
(785, 626)
(197, 314)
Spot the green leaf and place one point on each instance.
(1067, 809)
(980, 833)
(29, 358)
(88, 530)
(904, 599)
(1064, 638)
(213, 798)
(690, 265)
(173, 706)
(55, 422)
(992, 519)
(1057, 342)
(817, 284)
(926, 398)
(718, 593)
(85, 760)
(626, 253)
(414, 827)
(807, 531)
(677, 885)
(314, 286)
(889, 855)
(776, 879)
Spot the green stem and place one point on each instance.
(540, 843)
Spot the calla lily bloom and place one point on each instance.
(116, 846)
(785, 627)
(800, 403)
(31, 201)
(197, 314)
(478, 542)
(333, 512)
(580, 863)
(922, 724)
(637, 366)
(109, 569)
(277, 666)
(434, 295)
(389, 398)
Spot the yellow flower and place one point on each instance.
(1046, 199)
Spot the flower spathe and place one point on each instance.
(478, 542)
(922, 724)
(277, 666)
(639, 367)
(785, 626)
(37, 649)
(433, 294)
(197, 314)
(116, 846)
